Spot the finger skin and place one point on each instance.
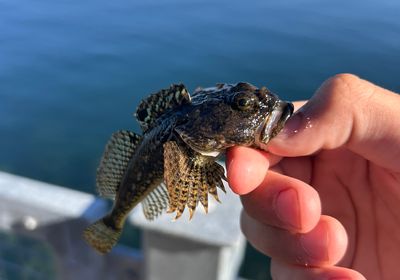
(346, 111)
(245, 169)
(284, 202)
(323, 246)
(284, 271)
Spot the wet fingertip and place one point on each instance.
(246, 169)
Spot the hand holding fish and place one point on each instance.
(324, 202)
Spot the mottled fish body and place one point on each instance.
(173, 165)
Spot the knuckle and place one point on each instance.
(346, 78)
(344, 90)
(342, 86)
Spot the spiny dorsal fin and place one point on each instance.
(151, 108)
(155, 202)
(113, 164)
(190, 177)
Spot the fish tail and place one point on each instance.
(101, 236)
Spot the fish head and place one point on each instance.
(228, 115)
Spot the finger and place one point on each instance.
(345, 111)
(284, 271)
(323, 245)
(284, 202)
(247, 167)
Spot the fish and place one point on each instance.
(173, 164)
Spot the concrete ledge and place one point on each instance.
(55, 217)
(208, 247)
(36, 193)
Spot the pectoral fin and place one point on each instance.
(114, 162)
(189, 177)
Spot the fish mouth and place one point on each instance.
(273, 123)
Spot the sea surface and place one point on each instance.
(72, 72)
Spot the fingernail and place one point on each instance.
(292, 126)
(315, 243)
(286, 206)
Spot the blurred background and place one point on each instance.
(72, 72)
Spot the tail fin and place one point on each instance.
(101, 237)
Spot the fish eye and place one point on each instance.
(244, 101)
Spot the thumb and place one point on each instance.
(346, 111)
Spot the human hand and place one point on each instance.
(324, 202)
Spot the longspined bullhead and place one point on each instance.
(173, 163)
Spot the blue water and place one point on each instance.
(72, 72)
